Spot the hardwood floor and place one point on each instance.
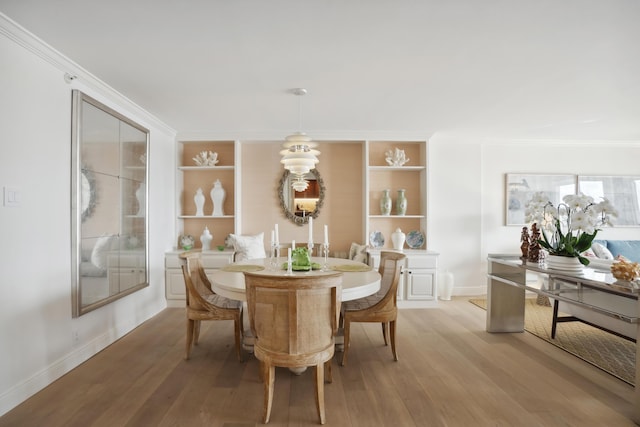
(450, 373)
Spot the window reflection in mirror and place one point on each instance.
(301, 198)
(109, 208)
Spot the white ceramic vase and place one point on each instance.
(199, 201)
(205, 239)
(564, 263)
(217, 195)
(397, 239)
(445, 285)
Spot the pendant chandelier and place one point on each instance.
(299, 155)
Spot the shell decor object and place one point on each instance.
(206, 158)
(396, 157)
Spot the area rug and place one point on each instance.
(606, 351)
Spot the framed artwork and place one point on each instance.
(622, 191)
(519, 188)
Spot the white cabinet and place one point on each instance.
(418, 279)
(174, 281)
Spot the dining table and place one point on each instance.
(358, 280)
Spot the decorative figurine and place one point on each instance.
(524, 238)
(534, 246)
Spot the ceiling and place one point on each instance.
(566, 69)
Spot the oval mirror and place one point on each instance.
(301, 198)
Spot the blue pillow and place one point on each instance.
(629, 249)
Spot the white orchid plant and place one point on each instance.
(570, 228)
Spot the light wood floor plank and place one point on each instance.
(450, 373)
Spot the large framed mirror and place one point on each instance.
(301, 197)
(109, 178)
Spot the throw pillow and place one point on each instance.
(358, 252)
(601, 251)
(248, 247)
(100, 250)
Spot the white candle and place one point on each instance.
(273, 237)
(326, 234)
(277, 240)
(310, 230)
(289, 255)
(293, 244)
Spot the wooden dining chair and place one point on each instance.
(204, 304)
(380, 307)
(294, 320)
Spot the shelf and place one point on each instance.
(397, 168)
(205, 217)
(205, 168)
(397, 216)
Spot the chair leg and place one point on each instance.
(190, 326)
(347, 332)
(270, 372)
(384, 332)
(328, 374)
(392, 327)
(196, 332)
(320, 391)
(238, 334)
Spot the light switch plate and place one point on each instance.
(11, 197)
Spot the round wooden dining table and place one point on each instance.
(358, 279)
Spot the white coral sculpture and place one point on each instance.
(206, 158)
(396, 157)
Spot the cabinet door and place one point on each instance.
(174, 284)
(420, 284)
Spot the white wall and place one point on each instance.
(36, 328)
(467, 192)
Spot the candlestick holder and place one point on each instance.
(325, 249)
(310, 248)
(273, 262)
(289, 267)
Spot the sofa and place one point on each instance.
(602, 255)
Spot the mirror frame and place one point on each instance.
(285, 209)
(88, 187)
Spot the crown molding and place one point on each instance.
(29, 41)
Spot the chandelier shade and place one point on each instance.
(299, 155)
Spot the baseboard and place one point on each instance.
(24, 390)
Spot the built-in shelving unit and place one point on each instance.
(411, 177)
(191, 177)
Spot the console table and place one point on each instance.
(510, 277)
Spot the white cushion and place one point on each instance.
(601, 252)
(100, 250)
(358, 253)
(248, 247)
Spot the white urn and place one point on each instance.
(199, 201)
(217, 195)
(205, 239)
(397, 239)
